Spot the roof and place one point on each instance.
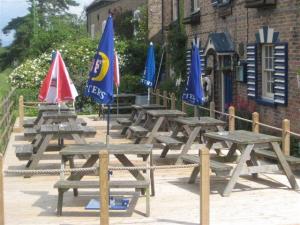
(222, 42)
(99, 4)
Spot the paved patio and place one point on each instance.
(33, 201)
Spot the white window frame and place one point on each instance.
(196, 6)
(267, 71)
(175, 10)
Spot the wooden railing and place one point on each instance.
(230, 116)
(6, 119)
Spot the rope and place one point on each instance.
(243, 119)
(95, 169)
(30, 107)
(293, 133)
(268, 126)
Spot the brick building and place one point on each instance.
(250, 53)
(97, 12)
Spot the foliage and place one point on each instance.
(131, 84)
(123, 25)
(4, 85)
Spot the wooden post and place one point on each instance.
(173, 101)
(212, 110)
(231, 118)
(1, 192)
(21, 112)
(104, 187)
(255, 121)
(204, 185)
(183, 106)
(157, 101)
(286, 137)
(165, 100)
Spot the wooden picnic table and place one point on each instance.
(159, 117)
(191, 127)
(246, 142)
(48, 132)
(138, 111)
(91, 152)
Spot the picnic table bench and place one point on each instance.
(75, 182)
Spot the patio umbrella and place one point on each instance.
(148, 79)
(117, 79)
(193, 93)
(57, 86)
(101, 77)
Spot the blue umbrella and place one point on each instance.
(148, 79)
(193, 93)
(101, 77)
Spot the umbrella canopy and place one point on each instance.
(193, 92)
(101, 77)
(116, 71)
(57, 86)
(149, 73)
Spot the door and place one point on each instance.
(227, 90)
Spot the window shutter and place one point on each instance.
(252, 70)
(281, 73)
(188, 61)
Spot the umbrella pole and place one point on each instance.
(107, 131)
(149, 90)
(117, 102)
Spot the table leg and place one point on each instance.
(78, 139)
(155, 130)
(285, 166)
(238, 169)
(39, 153)
(72, 165)
(188, 144)
(139, 118)
(231, 152)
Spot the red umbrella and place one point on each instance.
(57, 87)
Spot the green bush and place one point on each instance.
(131, 84)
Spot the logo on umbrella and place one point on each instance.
(100, 67)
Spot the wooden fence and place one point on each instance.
(6, 119)
(169, 100)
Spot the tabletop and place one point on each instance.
(63, 128)
(93, 149)
(242, 137)
(124, 95)
(46, 107)
(165, 112)
(195, 121)
(148, 106)
(59, 115)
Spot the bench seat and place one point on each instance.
(169, 143)
(24, 152)
(89, 131)
(64, 185)
(29, 123)
(220, 169)
(138, 132)
(291, 160)
(124, 121)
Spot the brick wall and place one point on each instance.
(98, 14)
(242, 25)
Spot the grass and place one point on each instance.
(4, 84)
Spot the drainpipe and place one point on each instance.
(162, 21)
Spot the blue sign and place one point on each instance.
(193, 92)
(100, 84)
(148, 79)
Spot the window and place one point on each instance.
(194, 5)
(267, 71)
(174, 10)
(103, 25)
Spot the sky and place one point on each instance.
(10, 9)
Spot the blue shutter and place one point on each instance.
(188, 61)
(281, 73)
(252, 70)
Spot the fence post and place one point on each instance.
(255, 121)
(204, 185)
(173, 101)
(231, 118)
(165, 100)
(286, 137)
(157, 100)
(21, 112)
(104, 187)
(183, 106)
(1, 192)
(212, 109)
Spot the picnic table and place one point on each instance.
(246, 142)
(191, 128)
(29, 123)
(137, 115)
(35, 151)
(91, 151)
